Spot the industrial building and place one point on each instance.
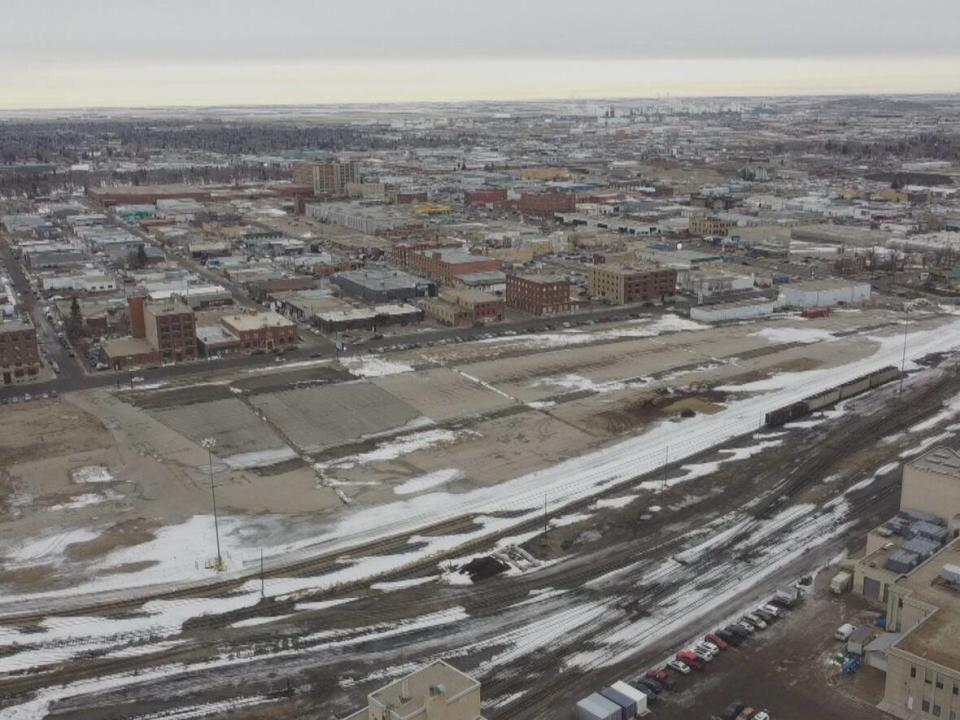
(729, 311)
(436, 692)
(539, 294)
(709, 282)
(447, 264)
(823, 293)
(705, 226)
(621, 284)
(912, 568)
(383, 285)
(461, 307)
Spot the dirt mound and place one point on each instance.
(485, 567)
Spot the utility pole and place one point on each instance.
(903, 361)
(666, 461)
(210, 443)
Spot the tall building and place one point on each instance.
(539, 294)
(437, 691)
(621, 284)
(912, 568)
(19, 354)
(327, 178)
(169, 328)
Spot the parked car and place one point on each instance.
(702, 653)
(762, 715)
(717, 640)
(772, 609)
(679, 666)
(738, 630)
(733, 710)
(758, 622)
(691, 659)
(712, 647)
(728, 637)
(745, 626)
(746, 714)
(647, 688)
(702, 648)
(748, 623)
(661, 676)
(767, 616)
(656, 686)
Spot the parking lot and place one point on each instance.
(787, 669)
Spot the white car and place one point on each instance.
(757, 621)
(772, 609)
(136, 379)
(704, 649)
(762, 715)
(703, 654)
(680, 667)
(710, 646)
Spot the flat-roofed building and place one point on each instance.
(912, 568)
(437, 691)
(171, 330)
(621, 284)
(539, 294)
(262, 330)
(447, 264)
(710, 226)
(130, 352)
(383, 285)
(327, 178)
(483, 307)
(824, 293)
(19, 354)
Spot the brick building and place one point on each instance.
(621, 284)
(483, 307)
(485, 196)
(547, 203)
(171, 329)
(326, 178)
(19, 354)
(539, 294)
(446, 265)
(262, 331)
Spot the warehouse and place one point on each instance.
(824, 293)
(382, 286)
(740, 310)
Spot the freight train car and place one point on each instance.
(791, 412)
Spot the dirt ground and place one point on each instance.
(787, 669)
(524, 406)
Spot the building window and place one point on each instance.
(925, 706)
(937, 710)
(939, 681)
(928, 676)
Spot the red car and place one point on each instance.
(661, 676)
(690, 659)
(718, 641)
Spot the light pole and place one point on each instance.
(209, 444)
(903, 359)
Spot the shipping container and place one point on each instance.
(816, 312)
(638, 696)
(597, 707)
(628, 708)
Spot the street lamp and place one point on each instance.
(209, 444)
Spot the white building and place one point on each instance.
(823, 293)
(727, 312)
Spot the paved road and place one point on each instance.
(323, 348)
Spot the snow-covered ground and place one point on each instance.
(178, 550)
(367, 366)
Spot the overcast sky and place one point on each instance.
(185, 30)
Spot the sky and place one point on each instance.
(84, 53)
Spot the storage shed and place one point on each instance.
(628, 708)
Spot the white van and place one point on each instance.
(844, 632)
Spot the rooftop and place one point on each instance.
(936, 638)
(376, 279)
(407, 696)
(942, 460)
(256, 321)
(542, 279)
